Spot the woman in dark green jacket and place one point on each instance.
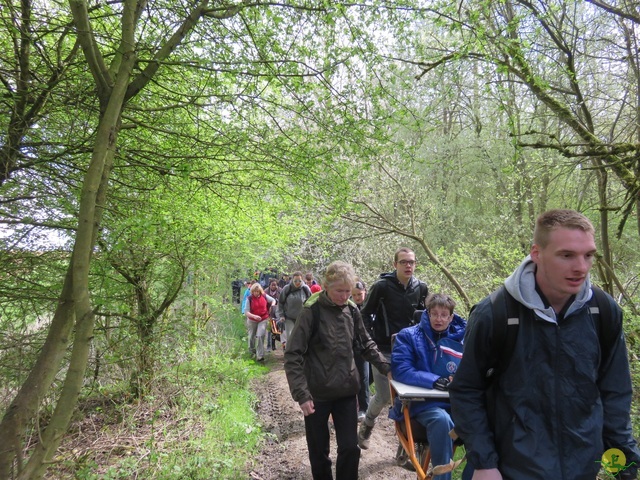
(322, 375)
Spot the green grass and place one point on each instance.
(220, 398)
(199, 422)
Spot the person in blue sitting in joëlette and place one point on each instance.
(427, 355)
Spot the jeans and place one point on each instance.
(438, 423)
(382, 398)
(345, 421)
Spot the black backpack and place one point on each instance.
(507, 313)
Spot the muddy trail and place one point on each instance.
(285, 457)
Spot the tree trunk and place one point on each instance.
(605, 249)
(74, 302)
(146, 321)
(454, 281)
(24, 406)
(90, 215)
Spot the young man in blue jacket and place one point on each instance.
(561, 401)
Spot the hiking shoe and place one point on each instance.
(364, 434)
(361, 416)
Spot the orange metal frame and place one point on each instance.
(406, 440)
(274, 327)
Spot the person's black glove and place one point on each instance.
(442, 383)
(626, 475)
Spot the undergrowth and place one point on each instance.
(198, 423)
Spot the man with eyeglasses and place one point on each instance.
(389, 308)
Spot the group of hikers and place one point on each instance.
(272, 311)
(538, 380)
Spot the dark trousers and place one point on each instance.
(363, 369)
(345, 420)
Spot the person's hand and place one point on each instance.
(307, 408)
(389, 376)
(487, 474)
(442, 383)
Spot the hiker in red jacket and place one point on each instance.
(257, 313)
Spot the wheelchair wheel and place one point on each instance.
(402, 458)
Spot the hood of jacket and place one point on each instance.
(393, 277)
(521, 284)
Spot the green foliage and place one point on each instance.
(481, 267)
(632, 332)
(199, 421)
(291, 137)
(30, 282)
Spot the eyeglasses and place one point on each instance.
(444, 316)
(411, 263)
(297, 281)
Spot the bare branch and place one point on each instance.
(616, 11)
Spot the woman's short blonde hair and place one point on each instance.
(256, 287)
(339, 272)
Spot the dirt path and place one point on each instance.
(285, 455)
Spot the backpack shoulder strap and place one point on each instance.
(602, 312)
(287, 291)
(307, 291)
(352, 309)
(506, 314)
(506, 322)
(315, 311)
(381, 310)
(424, 291)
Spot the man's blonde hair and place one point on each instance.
(551, 220)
